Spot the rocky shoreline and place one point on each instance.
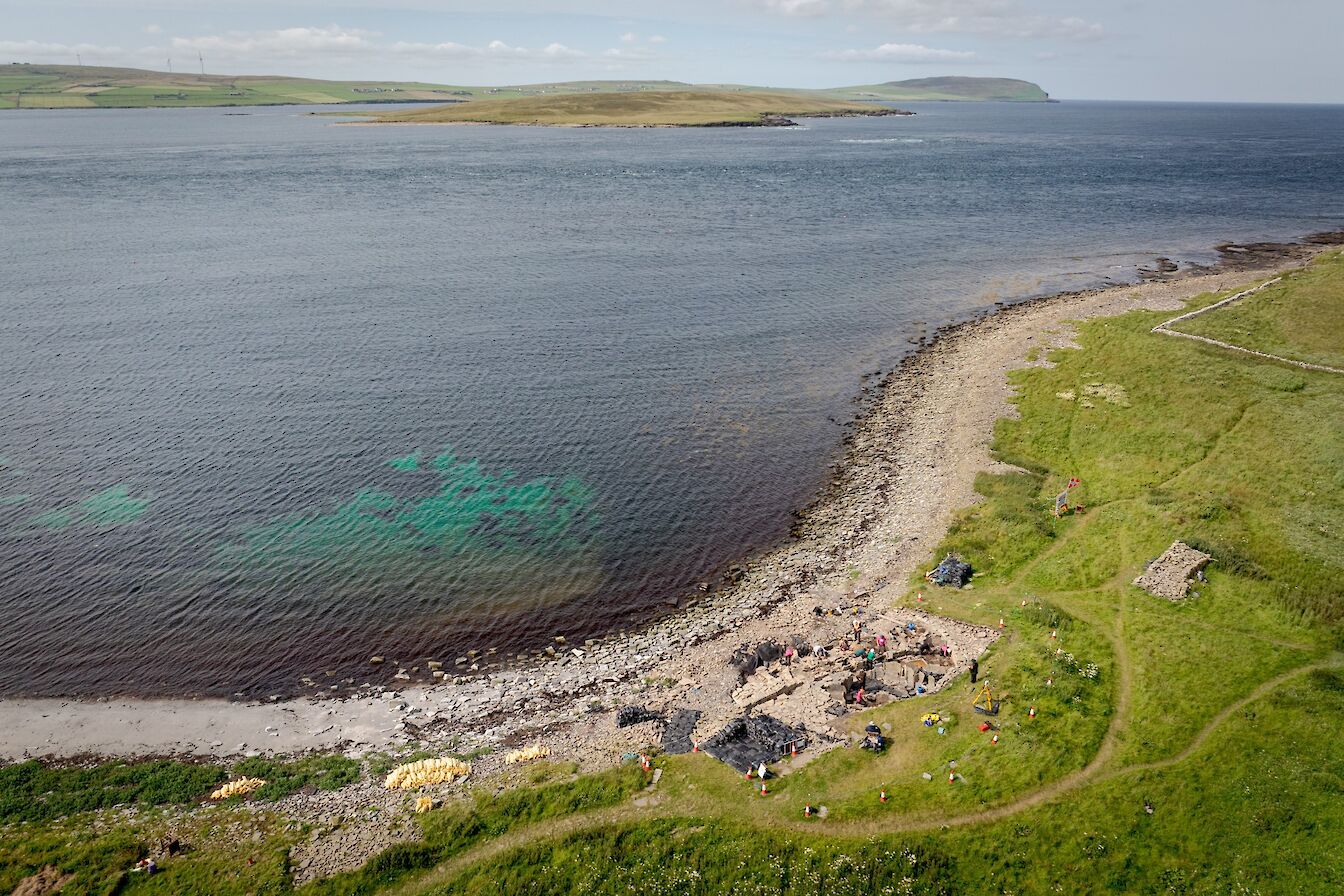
(909, 462)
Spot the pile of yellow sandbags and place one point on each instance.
(527, 754)
(425, 772)
(237, 788)
(423, 804)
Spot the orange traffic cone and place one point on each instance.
(994, 739)
(1054, 634)
(748, 773)
(951, 777)
(883, 796)
(1000, 622)
(793, 748)
(695, 746)
(763, 789)
(1031, 713)
(807, 811)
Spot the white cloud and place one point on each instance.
(800, 7)
(44, 51)
(560, 51)
(629, 54)
(496, 49)
(629, 37)
(153, 29)
(994, 18)
(334, 43)
(287, 46)
(901, 53)
(285, 43)
(657, 39)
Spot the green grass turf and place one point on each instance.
(31, 791)
(1299, 318)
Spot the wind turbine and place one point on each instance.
(202, 58)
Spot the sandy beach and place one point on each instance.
(910, 461)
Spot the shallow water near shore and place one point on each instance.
(278, 395)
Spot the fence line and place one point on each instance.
(1164, 328)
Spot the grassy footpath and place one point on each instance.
(1221, 712)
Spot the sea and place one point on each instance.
(278, 394)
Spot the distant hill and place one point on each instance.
(71, 87)
(948, 88)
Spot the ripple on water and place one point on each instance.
(222, 430)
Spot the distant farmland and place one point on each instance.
(89, 87)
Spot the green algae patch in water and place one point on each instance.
(469, 513)
(14, 500)
(111, 507)
(409, 464)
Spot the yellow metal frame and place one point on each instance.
(985, 702)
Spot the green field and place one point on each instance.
(1221, 712)
(62, 87)
(59, 87)
(647, 109)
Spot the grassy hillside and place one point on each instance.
(667, 108)
(67, 87)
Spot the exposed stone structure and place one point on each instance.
(1169, 575)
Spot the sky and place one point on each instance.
(1203, 50)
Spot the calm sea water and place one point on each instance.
(276, 395)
